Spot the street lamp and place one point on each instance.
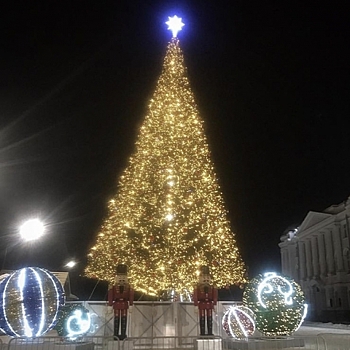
(31, 230)
(70, 264)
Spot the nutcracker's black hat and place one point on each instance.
(121, 268)
(204, 270)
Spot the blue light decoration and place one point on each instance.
(278, 304)
(175, 25)
(30, 299)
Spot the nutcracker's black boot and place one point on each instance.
(123, 328)
(210, 325)
(202, 325)
(116, 326)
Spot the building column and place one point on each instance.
(315, 259)
(329, 252)
(322, 254)
(308, 253)
(284, 260)
(293, 258)
(302, 262)
(338, 253)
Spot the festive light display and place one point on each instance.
(168, 217)
(29, 302)
(238, 322)
(74, 321)
(278, 304)
(175, 25)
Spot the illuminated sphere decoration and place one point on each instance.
(30, 301)
(74, 321)
(278, 304)
(238, 322)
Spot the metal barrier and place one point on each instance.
(153, 319)
(173, 343)
(110, 343)
(59, 343)
(323, 341)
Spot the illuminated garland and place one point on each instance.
(278, 304)
(29, 302)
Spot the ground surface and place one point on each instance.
(317, 328)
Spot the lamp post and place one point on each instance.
(32, 230)
(29, 231)
(70, 264)
(4, 258)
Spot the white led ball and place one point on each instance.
(30, 299)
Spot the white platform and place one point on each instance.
(263, 343)
(207, 343)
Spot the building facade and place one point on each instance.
(317, 255)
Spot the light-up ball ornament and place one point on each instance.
(278, 304)
(238, 322)
(29, 302)
(74, 321)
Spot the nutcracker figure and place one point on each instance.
(120, 296)
(205, 297)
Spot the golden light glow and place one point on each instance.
(168, 216)
(278, 304)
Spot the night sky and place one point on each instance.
(271, 80)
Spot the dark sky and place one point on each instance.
(271, 79)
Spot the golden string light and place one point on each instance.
(277, 302)
(168, 216)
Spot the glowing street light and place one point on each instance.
(32, 230)
(70, 264)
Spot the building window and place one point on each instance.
(331, 302)
(345, 231)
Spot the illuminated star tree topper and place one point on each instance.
(175, 25)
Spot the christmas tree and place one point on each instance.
(168, 217)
